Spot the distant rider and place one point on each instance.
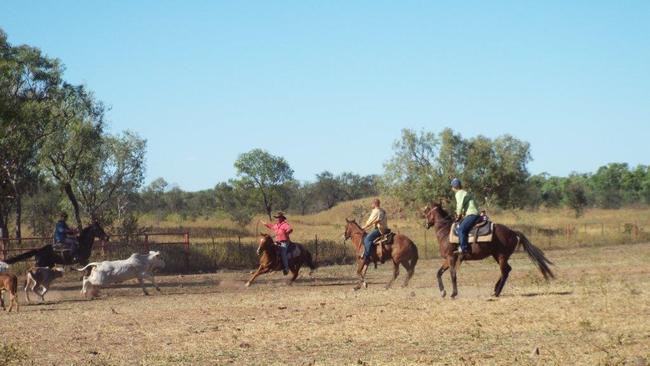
(379, 224)
(282, 229)
(467, 215)
(65, 236)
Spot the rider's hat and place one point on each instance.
(279, 214)
(455, 183)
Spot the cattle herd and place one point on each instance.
(95, 275)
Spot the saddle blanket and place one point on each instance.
(485, 233)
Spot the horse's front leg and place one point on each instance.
(441, 270)
(362, 267)
(452, 273)
(294, 274)
(259, 271)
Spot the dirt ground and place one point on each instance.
(597, 311)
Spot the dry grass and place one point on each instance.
(547, 229)
(596, 312)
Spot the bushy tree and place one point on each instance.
(575, 194)
(267, 174)
(423, 164)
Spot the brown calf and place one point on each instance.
(9, 282)
(40, 277)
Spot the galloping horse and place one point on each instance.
(46, 256)
(270, 259)
(500, 248)
(402, 251)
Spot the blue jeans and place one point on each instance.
(463, 231)
(283, 254)
(367, 242)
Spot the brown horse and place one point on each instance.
(403, 251)
(500, 248)
(270, 259)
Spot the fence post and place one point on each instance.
(186, 245)
(146, 243)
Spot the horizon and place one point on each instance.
(330, 86)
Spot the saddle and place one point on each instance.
(293, 251)
(481, 232)
(383, 244)
(385, 239)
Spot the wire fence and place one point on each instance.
(183, 255)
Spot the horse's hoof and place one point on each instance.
(443, 293)
(248, 284)
(453, 296)
(365, 285)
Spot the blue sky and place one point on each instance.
(329, 85)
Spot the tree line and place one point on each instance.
(264, 184)
(496, 172)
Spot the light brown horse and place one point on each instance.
(403, 251)
(270, 259)
(500, 248)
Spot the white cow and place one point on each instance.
(139, 266)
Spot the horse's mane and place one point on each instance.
(443, 213)
(353, 221)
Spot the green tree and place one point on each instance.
(236, 200)
(42, 207)
(267, 174)
(106, 189)
(411, 174)
(575, 194)
(28, 80)
(72, 151)
(423, 164)
(328, 189)
(302, 196)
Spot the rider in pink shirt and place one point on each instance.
(282, 229)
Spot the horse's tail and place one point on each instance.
(416, 256)
(23, 256)
(309, 261)
(536, 255)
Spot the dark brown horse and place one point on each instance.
(403, 251)
(270, 259)
(46, 256)
(500, 248)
